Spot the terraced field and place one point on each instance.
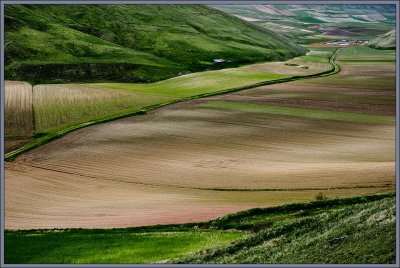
(204, 158)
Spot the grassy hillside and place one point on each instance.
(385, 41)
(351, 230)
(135, 43)
(357, 230)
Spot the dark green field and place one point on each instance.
(352, 230)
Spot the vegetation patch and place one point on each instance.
(368, 60)
(114, 246)
(302, 112)
(358, 233)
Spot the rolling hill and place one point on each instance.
(385, 41)
(130, 43)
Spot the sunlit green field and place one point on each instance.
(110, 246)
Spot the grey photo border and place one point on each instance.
(226, 2)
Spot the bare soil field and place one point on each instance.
(360, 87)
(187, 162)
(296, 69)
(358, 77)
(381, 69)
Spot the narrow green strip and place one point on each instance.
(368, 60)
(302, 112)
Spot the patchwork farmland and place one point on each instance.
(260, 147)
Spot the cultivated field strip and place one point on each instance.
(64, 105)
(18, 117)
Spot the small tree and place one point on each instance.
(320, 197)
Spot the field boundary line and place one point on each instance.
(10, 156)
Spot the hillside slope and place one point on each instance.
(356, 230)
(135, 43)
(385, 41)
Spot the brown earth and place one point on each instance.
(160, 168)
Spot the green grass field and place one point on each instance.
(110, 246)
(349, 230)
(318, 54)
(369, 60)
(302, 112)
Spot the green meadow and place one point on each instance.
(302, 112)
(110, 246)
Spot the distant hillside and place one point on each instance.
(314, 23)
(385, 41)
(65, 43)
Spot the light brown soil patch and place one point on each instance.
(369, 69)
